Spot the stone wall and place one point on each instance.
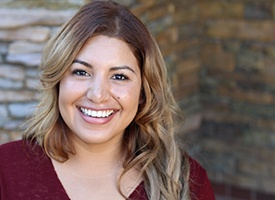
(237, 134)
(220, 56)
(24, 30)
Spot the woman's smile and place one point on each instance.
(97, 117)
(96, 113)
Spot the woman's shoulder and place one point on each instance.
(196, 169)
(15, 146)
(10, 145)
(24, 165)
(10, 149)
(19, 152)
(200, 186)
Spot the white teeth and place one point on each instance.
(99, 114)
(94, 113)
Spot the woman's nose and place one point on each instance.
(98, 90)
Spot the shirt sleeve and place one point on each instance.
(200, 187)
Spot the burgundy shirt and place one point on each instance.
(27, 173)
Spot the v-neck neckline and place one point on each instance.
(139, 186)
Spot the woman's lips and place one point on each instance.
(96, 113)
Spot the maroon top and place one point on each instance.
(26, 172)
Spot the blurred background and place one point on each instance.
(221, 60)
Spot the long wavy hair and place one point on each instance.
(150, 138)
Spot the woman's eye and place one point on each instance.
(80, 72)
(120, 77)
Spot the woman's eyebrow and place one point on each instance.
(82, 63)
(111, 69)
(122, 67)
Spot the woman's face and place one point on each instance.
(99, 93)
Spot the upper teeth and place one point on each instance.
(94, 113)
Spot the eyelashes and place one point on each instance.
(121, 77)
(80, 72)
(83, 73)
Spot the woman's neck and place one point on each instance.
(95, 168)
(96, 160)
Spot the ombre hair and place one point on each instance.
(150, 138)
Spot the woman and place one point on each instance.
(104, 128)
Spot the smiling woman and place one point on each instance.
(105, 126)
(89, 91)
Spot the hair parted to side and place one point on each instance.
(150, 138)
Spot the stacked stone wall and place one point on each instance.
(237, 134)
(24, 30)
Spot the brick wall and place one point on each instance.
(220, 56)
